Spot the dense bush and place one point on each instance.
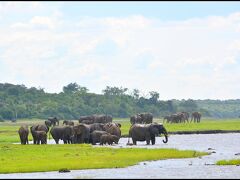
(18, 101)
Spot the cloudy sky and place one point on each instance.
(179, 49)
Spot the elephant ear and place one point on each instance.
(154, 129)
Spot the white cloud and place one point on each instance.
(179, 59)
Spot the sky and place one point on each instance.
(181, 50)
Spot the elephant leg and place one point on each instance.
(148, 141)
(134, 142)
(153, 139)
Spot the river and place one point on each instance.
(222, 146)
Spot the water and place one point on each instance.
(225, 146)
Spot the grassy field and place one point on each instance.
(40, 158)
(229, 162)
(205, 124)
(8, 130)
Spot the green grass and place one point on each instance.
(229, 162)
(40, 158)
(205, 124)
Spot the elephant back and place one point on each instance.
(113, 128)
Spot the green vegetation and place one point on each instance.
(18, 101)
(39, 158)
(229, 162)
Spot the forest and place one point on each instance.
(18, 101)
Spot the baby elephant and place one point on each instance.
(41, 136)
(108, 138)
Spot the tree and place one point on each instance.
(171, 107)
(154, 97)
(188, 105)
(73, 88)
(135, 93)
(114, 91)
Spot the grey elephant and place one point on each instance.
(38, 134)
(70, 123)
(96, 135)
(54, 120)
(196, 116)
(81, 133)
(142, 118)
(38, 127)
(167, 119)
(102, 118)
(48, 123)
(108, 138)
(147, 132)
(113, 128)
(23, 134)
(86, 119)
(64, 133)
(186, 116)
(95, 126)
(95, 119)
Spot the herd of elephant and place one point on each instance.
(183, 117)
(91, 129)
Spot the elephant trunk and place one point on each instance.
(166, 135)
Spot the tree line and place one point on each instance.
(18, 101)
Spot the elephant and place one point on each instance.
(96, 135)
(167, 118)
(113, 128)
(142, 118)
(196, 116)
(39, 136)
(86, 119)
(38, 127)
(54, 120)
(102, 118)
(108, 138)
(70, 123)
(147, 132)
(81, 133)
(48, 123)
(135, 119)
(23, 134)
(176, 118)
(95, 119)
(186, 116)
(64, 133)
(95, 126)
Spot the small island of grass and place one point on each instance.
(42, 158)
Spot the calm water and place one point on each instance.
(225, 146)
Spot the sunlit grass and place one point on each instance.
(229, 162)
(205, 124)
(39, 158)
